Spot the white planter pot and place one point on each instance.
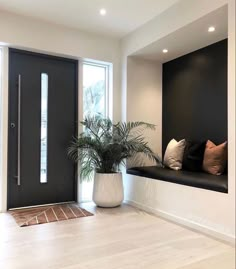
(108, 190)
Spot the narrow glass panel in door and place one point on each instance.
(44, 128)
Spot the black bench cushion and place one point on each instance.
(194, 179)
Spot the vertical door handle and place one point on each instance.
(19, 132)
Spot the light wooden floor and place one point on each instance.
(120, 238)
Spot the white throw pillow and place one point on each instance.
(174, 154)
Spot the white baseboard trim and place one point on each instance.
(184, 222)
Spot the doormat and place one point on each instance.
(47, 214)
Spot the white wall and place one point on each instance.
(3, 131)
(144, 97)
(31, 34)
(207, 211)
(179, 15)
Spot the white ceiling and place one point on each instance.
(189, 38)
(123, 16)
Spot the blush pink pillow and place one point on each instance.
(215, 158)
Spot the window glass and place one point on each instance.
(94, 89)
(95, 101)
(44, 128)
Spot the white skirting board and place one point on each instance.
(186, 223)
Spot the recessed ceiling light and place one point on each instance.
(103, 11)
(165, 50)
(211, 29)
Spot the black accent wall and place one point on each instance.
(195, 96)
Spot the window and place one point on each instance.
(95, 89)
(1, 132)
(1, 97)
(44, 128)
(0, 67)
(95, 101)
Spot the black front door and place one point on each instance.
(42, 121)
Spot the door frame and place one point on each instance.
(4, 130)
(58, 58)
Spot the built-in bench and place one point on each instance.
(194, 179)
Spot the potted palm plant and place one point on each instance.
(102, 148)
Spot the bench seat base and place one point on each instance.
(194, 179)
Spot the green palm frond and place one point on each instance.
(104, 146)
